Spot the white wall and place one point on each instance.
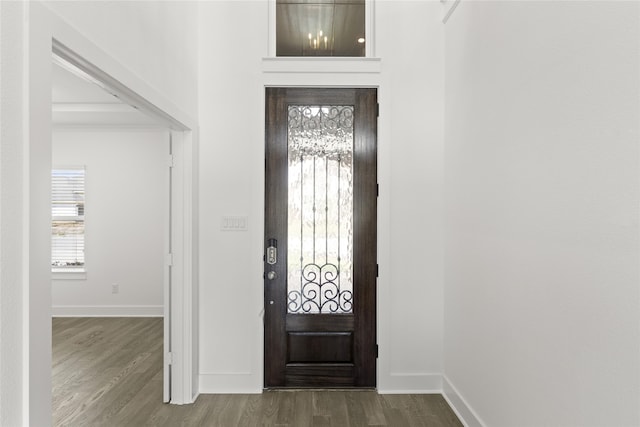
(410, 205)
(409, 40)
(156, 40)
(12, 363)
(27, 28)
(231, 164)
(542, 318)
(126, 211)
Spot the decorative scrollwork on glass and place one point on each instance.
(320, 292)
(321, 131)
(320, 209)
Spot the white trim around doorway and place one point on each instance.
(49, 33)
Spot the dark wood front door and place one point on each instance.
(320, 237)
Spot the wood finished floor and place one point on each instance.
(108, 372)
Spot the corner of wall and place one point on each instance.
(458, 404)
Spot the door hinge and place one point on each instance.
(170, 160)
(376, 351)
(377, 270)
(169, 358)
(169, 260)
(378, 110)
(377, 190)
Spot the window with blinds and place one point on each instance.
(67, 212)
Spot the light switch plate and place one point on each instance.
(234, 223)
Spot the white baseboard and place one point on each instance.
(240, 382)
(107, 311)
(406, 383)
(245, 382)
(467, 416)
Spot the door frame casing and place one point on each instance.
(336, 73)
(42, 28)
(178, 310)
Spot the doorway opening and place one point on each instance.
(173, 182)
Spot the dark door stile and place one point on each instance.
(321, 350)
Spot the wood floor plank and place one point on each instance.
(373, 409)
(393, 415)
(286, 409)
(144, 408)
(321, 421)
(303, 414)
(199, 412)
(355, 410)
(337, 408)
(435, 410)
(259, 410)
(108, 372)
(364, 409)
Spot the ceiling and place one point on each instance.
(342, 23)
(77, 102)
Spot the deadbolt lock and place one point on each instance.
(272, 251)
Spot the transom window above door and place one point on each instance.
(320, 28)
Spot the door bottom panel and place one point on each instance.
(319, 375)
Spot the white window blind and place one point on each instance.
(67, 212)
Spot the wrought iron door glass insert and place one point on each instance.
(320, 214)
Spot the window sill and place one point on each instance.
(68, 275)
(310, 64)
